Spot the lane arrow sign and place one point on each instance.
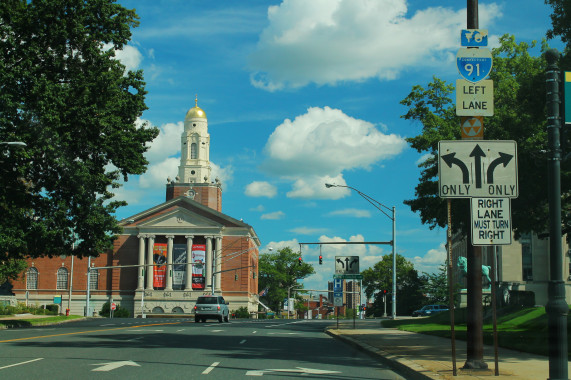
(106, 367)
(503, 159)
(478, 153)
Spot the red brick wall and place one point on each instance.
(209, 195)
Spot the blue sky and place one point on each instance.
(299, 93)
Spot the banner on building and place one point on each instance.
(179, 266)
(199, 260)
(160, 268)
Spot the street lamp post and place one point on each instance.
(381, 207)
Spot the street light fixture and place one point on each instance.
(14, 143)
(381, 207)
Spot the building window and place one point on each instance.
(32, 279)
(62, 275)
(93, 279)
(193, 151)
(526, 257)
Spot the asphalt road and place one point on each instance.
(182, 349)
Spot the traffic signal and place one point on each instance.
(320, 259)
(236, 277)
(299, 260)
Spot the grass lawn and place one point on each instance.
(29, 322)
(523, 330)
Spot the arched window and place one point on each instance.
(193, 151)
(32, 279)
(93, 279)
(62, 275)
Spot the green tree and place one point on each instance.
(435, 287)
(11, 269)
(64, 94)
(380, 277)
(519, 97)
(560, 20)
(278, 272)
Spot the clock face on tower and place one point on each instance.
(190, 193)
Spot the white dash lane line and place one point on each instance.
(26, 362)
(242, 342)
(212, 366)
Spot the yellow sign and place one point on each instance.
(472, 127)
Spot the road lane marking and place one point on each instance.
(26, 362)
(212, 366)
(110, 366)
(243, 341)
(88, 331)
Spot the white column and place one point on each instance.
(150, 262)
(169, 262)
(188, 282)
(208, 263)
(141, 270)
(218, 284)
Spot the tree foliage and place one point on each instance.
(11, 269)
(64, 94)
(278, 272)
(519, 97)
(560, 20)
(435, 287)
(380, 277)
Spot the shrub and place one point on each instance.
(119, 312)
(241, 312)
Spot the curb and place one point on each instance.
(405, 367)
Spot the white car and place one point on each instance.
(211, 307)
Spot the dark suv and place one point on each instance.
(429, 310)
(211, 307)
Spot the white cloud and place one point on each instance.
(351, 212)
(307, 230)
(129, 56)
(330, 41)
(273, 215)
(258, 208)
(224, 174)
(162, 146)
(261, 189)
(325, 140)
(431, 261)
(316, 147)
(156, 175)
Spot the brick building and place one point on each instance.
(167, 255)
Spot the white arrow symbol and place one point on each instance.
(106, 367)
(312, 371)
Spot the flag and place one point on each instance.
(263, 292)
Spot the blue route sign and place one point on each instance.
(474, 37)
(474, 64)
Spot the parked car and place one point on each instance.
(211, 307)
(429, 310)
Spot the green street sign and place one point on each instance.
(348, 276)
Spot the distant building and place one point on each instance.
(521, 266)
(167, 255)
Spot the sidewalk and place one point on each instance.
(428, 357)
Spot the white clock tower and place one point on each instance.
(194, 173)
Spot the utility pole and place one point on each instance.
(474, 323)
(556, 308)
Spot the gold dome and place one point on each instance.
(196, 111)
